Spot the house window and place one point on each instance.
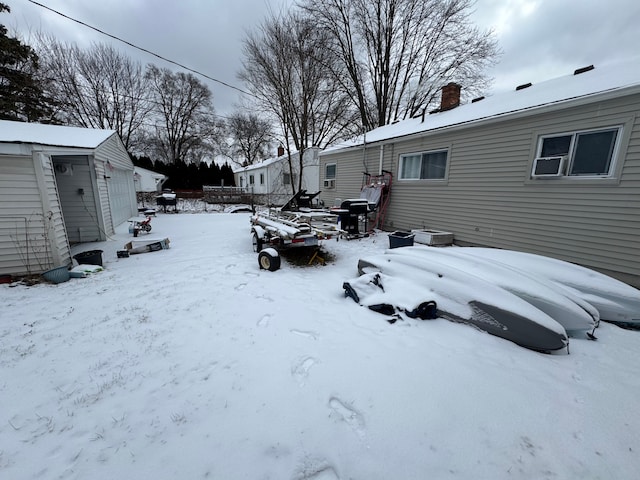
(329, 176)
(251, 180)
(262, 179)
(587, 153)
(286, 178)
(426, 165)
(330, 171)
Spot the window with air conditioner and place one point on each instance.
(589, 153)
(548, 166)
(329, 176)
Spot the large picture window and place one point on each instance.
(587, 153)
(425, 165)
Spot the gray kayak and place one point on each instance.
(460, 297)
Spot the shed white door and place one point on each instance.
(121, 195)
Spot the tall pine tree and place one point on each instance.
(21, 94)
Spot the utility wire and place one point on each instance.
(141, 48)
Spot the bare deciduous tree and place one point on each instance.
(287, 67)
(249, 138)
(97, 88)
(396, 54)
(186, 127)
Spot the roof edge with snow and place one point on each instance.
(53, 135)
(585, 85)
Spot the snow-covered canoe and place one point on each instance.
(460, 297)
(615, 301)
(567, 309)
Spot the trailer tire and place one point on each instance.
(257, 242)
(269, 259)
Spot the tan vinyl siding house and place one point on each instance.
(59, 186)
(488, 192)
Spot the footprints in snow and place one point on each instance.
(317, 470)
(348, 414)
(264, 321)
(300, 369)
(304, 333)
(340, 410)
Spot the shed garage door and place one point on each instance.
(121, 195)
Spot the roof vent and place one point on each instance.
(523, 86)
(477, 99)
(583, 69)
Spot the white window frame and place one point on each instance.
(335, 170)
(262, 179)
(329, 182)
(251, 180)
(570, 155)
(405, 156)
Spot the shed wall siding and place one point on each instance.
(32, 238)
(489, 199)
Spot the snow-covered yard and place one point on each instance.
(193, 363)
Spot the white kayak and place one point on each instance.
(567, 309)
(615, 301)
(459, 297)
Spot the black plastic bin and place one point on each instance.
(92, 257)
(401, 239)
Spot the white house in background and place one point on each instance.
(148, 180)
(271, 179)
(59, 186)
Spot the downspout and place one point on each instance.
(364, 151)
(381, 159)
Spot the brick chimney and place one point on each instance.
(450, 96)
(280, 151)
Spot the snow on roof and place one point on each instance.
(146, 171)
(261, 164)
(570, 87)
(53, 135)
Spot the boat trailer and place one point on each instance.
(296, 224)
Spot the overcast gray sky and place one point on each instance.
(541, 39)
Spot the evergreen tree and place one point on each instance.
(21, 94)
(227, 175)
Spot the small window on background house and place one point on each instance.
(286, 178)
(251, 180)
(588, 153)
(424, 166)
(262, 179)
(330, 171)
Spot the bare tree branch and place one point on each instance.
(396, 54)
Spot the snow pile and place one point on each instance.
(192, 362)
